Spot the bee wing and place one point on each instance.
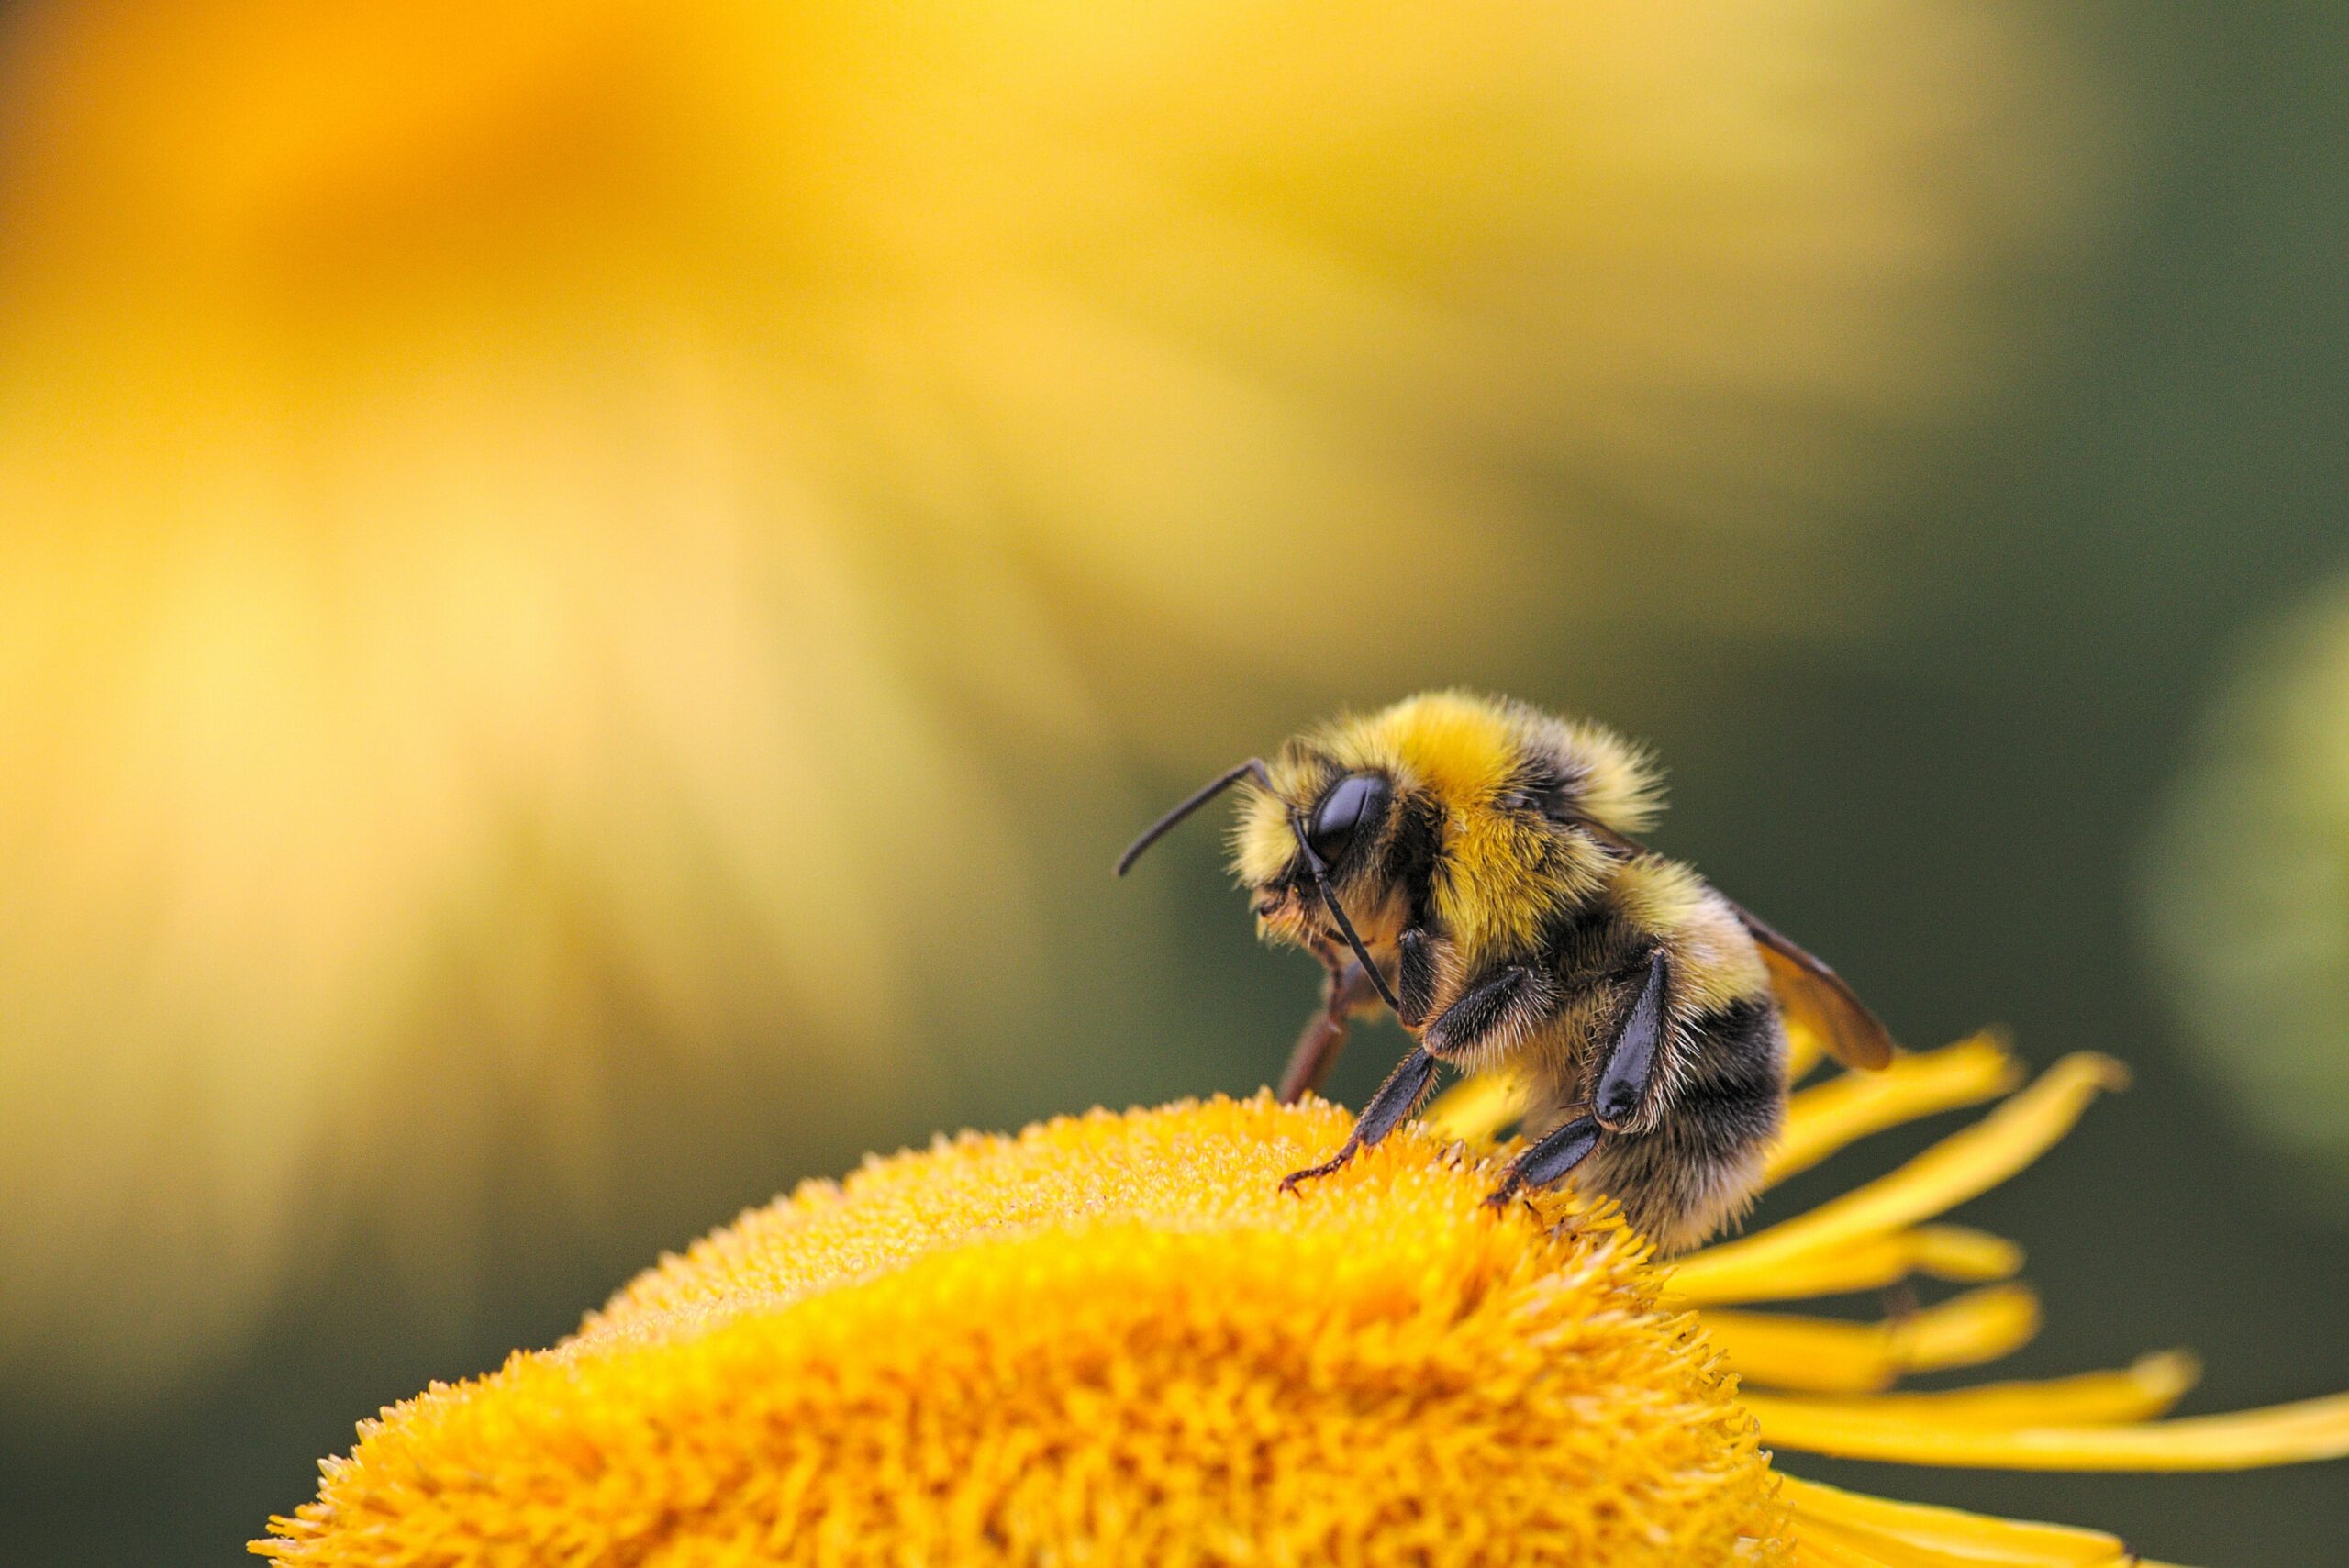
(1814, 997)
(1811, 996)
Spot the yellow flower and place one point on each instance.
(1112, 1339)
(535, 536)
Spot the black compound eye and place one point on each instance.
(1353, 800)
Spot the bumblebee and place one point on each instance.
(1471, 863)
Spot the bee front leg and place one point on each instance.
(1348, 992)
(1415, 975)
(1503, 1003)
(1395, 1100)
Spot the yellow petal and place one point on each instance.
(2139, 1393)
(1817, 1550)
(1819, 1120)
(1804, 1053)
(2280, 1434)
(1913, 1533)
(1959, 1167)
(1475, 1109)
(1943, 1252)
(1907, 1554)
(1825, 1356)
(1844, 1110)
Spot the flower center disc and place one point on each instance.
(1108, 1339)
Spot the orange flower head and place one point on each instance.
(1109, 1339)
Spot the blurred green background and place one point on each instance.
(586, 594)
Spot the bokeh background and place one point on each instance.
(587, 591)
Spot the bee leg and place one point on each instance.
(1549, 1160)
(1414, 976)
(1631, 1061)
(1510, 998)
(1309, 1060)
(1349, 992)
(1395, 1100)
(1622, 1091)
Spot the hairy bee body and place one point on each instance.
(1686, 1155)
(1472, 862)
(1696, 1162)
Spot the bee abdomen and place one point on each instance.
(1700, 1164)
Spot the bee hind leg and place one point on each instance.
(1395, 1100)
(1549, 1160)
(1624, 1085)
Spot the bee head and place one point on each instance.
(1348, 816)
(1328, 827)
(1310, 840)
(1474, 818)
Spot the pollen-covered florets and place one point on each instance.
(1110, 1339)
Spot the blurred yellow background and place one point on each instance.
(586, 591)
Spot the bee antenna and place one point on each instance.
(1253, 768)
(1338, 912)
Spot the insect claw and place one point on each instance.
(1313, 1173)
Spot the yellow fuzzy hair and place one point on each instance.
(1717, 963)
(1505, 875)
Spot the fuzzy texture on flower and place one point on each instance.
(1110, 1339)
